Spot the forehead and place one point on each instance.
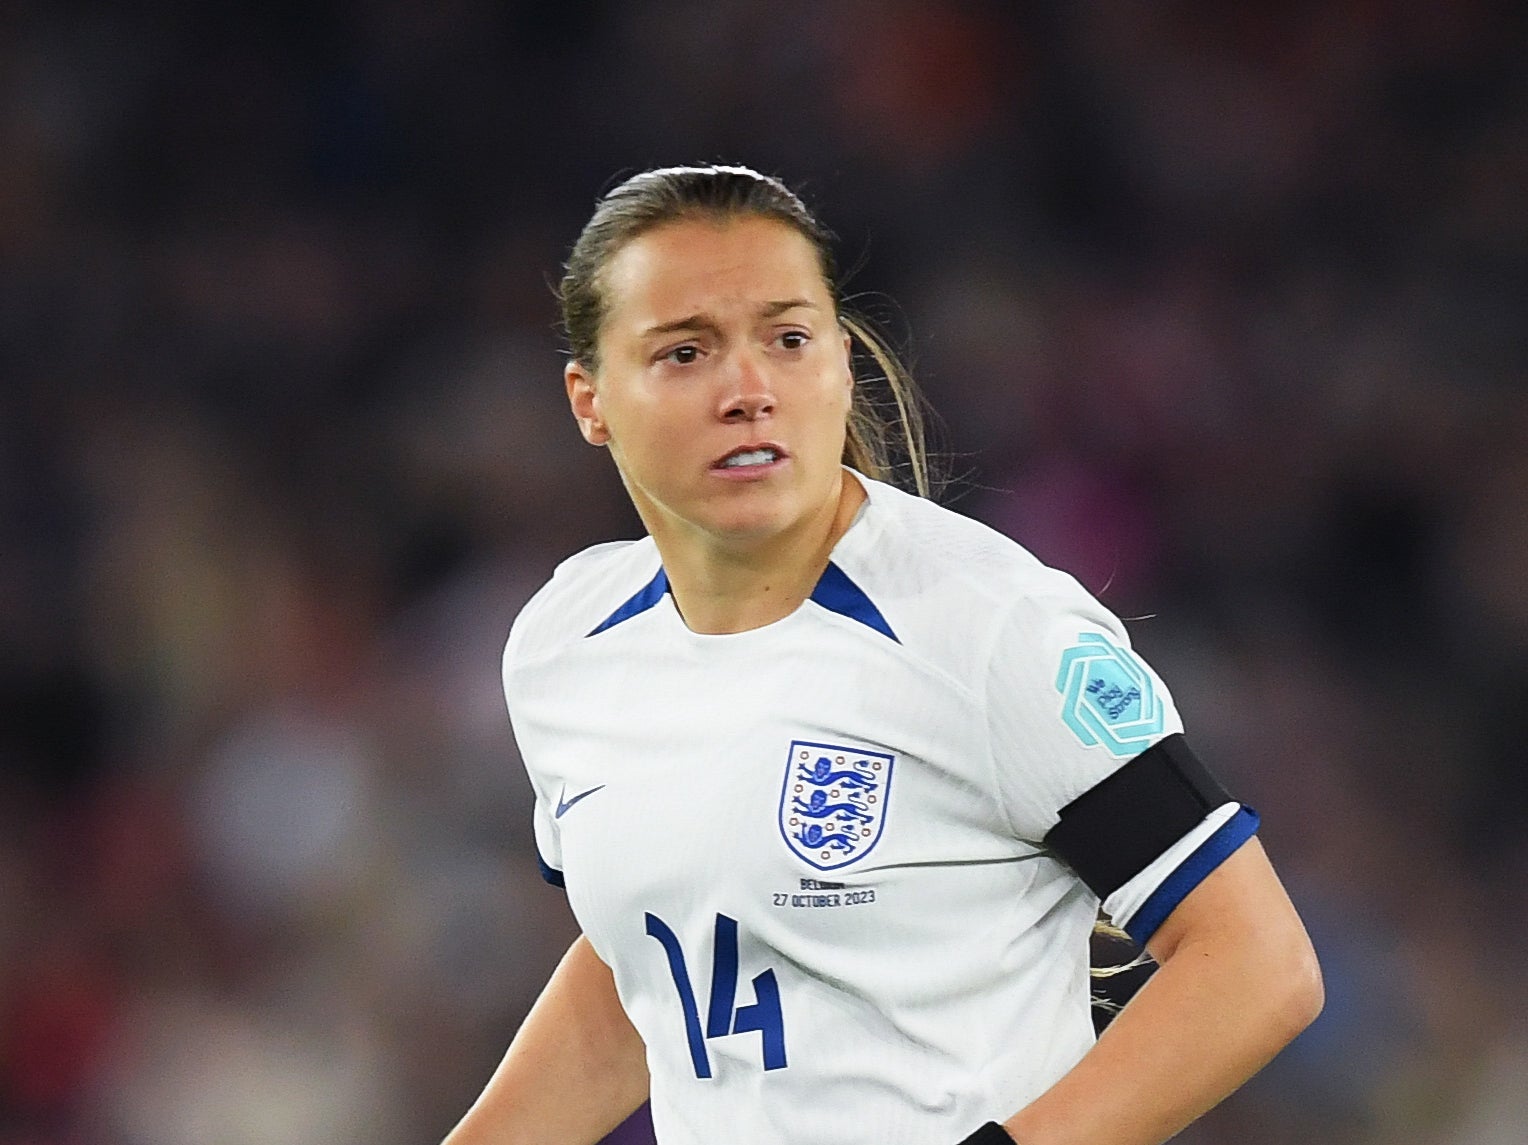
(703, 266)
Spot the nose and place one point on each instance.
(749, 394)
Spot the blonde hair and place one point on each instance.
(886, 436)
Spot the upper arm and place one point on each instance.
(1242, 902)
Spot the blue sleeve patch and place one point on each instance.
(1108, 696)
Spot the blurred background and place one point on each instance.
(1226, 310)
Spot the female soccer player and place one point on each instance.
(836, 779)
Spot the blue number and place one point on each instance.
(763, 1015)
(660, 930)
(723, 978)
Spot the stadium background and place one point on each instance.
(1224, 305)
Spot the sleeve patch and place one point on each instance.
(1108, 697)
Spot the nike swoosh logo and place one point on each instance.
(563, 804)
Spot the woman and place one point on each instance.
(836, 780)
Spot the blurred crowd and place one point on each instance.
(1225, 307)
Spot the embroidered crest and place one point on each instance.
(833, 802)
(1108, 696)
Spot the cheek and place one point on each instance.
(842, 401)
(642, 431)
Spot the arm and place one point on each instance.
(1237, 981)
(575, 1070)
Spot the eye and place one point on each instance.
(681, 355)
(794, 339)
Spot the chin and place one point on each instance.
(749, 527)
(751, 517)
(760, 519)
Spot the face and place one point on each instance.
(724, 385)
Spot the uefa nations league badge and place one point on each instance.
(833, 802)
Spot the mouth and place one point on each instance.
(750, 457)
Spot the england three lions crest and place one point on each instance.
(833, 802)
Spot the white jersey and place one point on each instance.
(811, 853)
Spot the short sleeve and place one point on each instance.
(548, 841)
(1068, 703)
(544, 812)
(1083, 730)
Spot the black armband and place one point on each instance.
(989, 1134)
(1114, 831)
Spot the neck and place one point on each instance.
(726, 586)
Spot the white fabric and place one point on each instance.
(946, 982)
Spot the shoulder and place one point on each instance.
(926, 555)
(952, 587)
(583, 591)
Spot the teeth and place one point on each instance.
(752, 457)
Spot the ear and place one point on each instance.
(585, 402)
(849, 359)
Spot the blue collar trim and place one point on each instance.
(834, 591)
(837, 593)
(646, 596)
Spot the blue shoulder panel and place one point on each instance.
(647, 596)
(837, 593)
(1191, 872)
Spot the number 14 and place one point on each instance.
(721, 1019)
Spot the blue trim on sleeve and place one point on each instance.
(645, 597)
(837, 593)
(1190, 873)
(550, 873)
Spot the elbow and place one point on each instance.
(1304, 994)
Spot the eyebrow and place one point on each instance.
(705, 322)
